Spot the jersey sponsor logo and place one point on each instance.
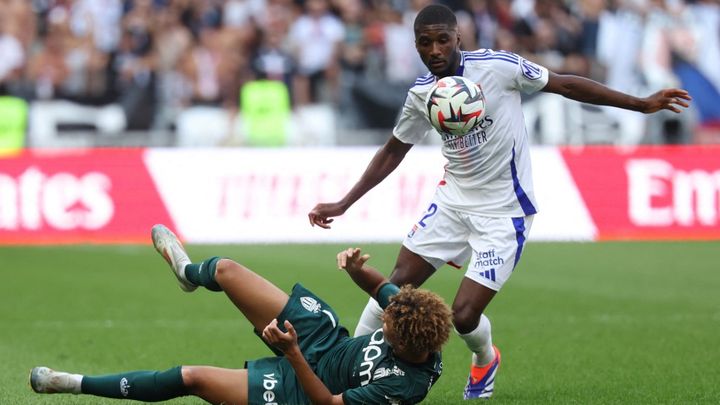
(385, 371)
(530, 70)
(487, 259)
(124, 386)
(468, 140)
(310, 304)
(477, 136)
(269, 383)
(371, 352)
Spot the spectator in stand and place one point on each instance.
(352, 61)
(173, 40)
(98, 20)
(272, 61)
(243, 13)
(200, 67)
(21, 15)
(408, 19)
(667, 35)
(198, 15)
(466, 28)
(549, 34)
(706, 21)
(401, 63)
(216, 66)
(201, 52)
(618, 42)
(134, 68)
(315, 39)
(703, 73)
(47, 70)
(488, 17)
(13, 54)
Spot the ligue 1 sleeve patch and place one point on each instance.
(530, 70)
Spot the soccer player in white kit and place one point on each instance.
(484, 206)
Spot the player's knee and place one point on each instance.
(465, 319)
(413, 274)
(190, 377)
(226, 269)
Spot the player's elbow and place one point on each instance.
(564, 85)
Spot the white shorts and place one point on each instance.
(493, 245)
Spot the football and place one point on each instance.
(455, 105)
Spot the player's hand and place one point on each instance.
(322, 214)
(285, 341)
(351, 259)
(668, 99)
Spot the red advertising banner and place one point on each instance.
(251, 196)
(649, 192)
(78, 196)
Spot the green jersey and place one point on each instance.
(363, 369)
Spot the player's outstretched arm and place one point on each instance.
(313, 386)
(352, 260)
(589, 91)
(387, 158)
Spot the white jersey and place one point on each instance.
(488, 171)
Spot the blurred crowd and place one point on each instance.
(156, 58)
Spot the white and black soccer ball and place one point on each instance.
(455, 105)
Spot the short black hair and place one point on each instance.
(435, 14)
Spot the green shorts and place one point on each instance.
(272, 380)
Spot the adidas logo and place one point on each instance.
(488, 274)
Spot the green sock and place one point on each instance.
(148, 386)
(203, 274)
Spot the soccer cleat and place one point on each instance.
(482, 379)
(170, 248)
(47, 381)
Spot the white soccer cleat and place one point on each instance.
(44, 380)
(170, 248)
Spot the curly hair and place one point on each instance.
(420, 320)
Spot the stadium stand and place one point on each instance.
(135, 71)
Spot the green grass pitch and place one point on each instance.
(592, 323)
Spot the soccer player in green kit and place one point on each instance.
(317, 362)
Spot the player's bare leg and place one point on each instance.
(217, 385)
(470, 302)
(474, 328)
(257, 298)
(409, 269)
